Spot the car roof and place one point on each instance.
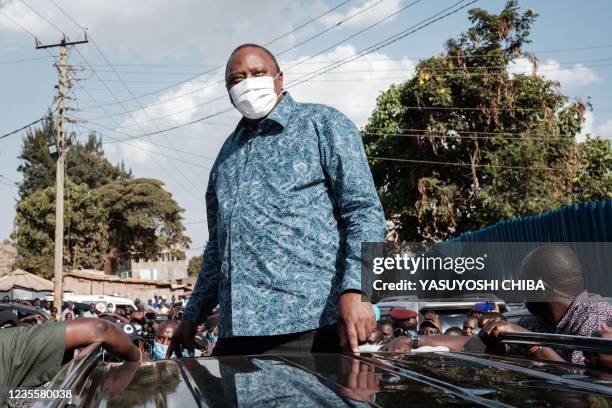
(391, 379)
(27, 309)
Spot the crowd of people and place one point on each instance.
(150, 326)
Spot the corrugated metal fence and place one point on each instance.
(587, 228)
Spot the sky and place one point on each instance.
(167, 57)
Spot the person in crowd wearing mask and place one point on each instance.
(163, 337)
(110, 308)
(46, 306)
(289, 201)
(212, 333)
(470, 325)
(91, 311)
(53, 312)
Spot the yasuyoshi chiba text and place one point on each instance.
(460, 284)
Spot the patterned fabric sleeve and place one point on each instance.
(205, 294)
(356, 200)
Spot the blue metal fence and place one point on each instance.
(587, 228)
(588, 222)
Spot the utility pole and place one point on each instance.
(63, 85)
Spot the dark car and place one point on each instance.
(371, 379)
(24, 310)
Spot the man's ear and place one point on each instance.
(280, 79)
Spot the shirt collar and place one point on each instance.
(280, 114)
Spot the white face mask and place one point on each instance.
(254, 97)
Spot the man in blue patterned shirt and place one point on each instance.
(289, 201)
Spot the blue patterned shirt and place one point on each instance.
(288, 205)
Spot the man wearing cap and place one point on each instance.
(431, 324)
(404, 319)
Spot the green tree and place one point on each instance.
(194, 266)
(143, 218)
(85, 229)
(85, 162)
(476, 144)
(140, 217)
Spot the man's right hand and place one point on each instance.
(183, 337)
(493, 332)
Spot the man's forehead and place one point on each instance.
(249, 56)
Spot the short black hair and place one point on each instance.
(251, 45)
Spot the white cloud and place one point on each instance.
(365, 13)
(137, 151)
(604, 130)
(156, 29)
(569, 77)
(353, 87)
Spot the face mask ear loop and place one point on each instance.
(274, 79)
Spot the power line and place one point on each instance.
(45, 19)
(18, 24)
(446, 163)
(205, 102)
(365, 71)
(338, 24)
(142, 107)
(409, 58)
(424, 23)
(157, 153)
(469, 131)
(2, 176)
(25, 60)
(115, 140)
(22, 128)
(306, 23)
(191, 78)
(419, 26)
(106, 60)
(388, 41)
(376, 23)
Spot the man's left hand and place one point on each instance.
(357, 320)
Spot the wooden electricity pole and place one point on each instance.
(62, 87)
